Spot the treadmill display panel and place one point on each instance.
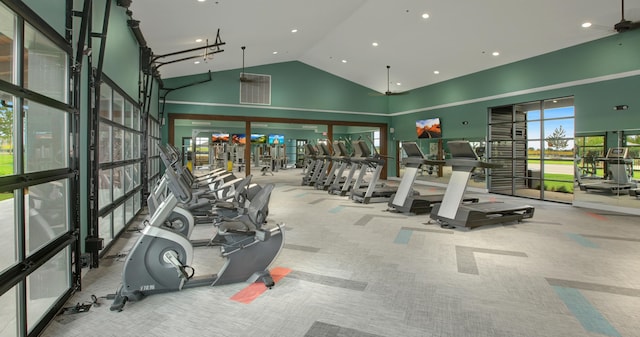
(412, 149)
(461, 149)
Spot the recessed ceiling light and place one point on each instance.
(375, 44)
(196, 62)
(202, 0)
(425, 15)
(344, 61)
(586, 25)
(436, 72)
(495, 53)
(275, 52)
(398, 83)
(294, 30)
(198, 40)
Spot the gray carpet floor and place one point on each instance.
(358, 270)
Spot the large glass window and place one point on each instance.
(8, 233)
(119, 144)
(104, 224)
(7, 125)
(105, 101)
(153, 165)
(105, 196)
(35, 192)
(46, 285)
(48, 213)
(104, 143)
(46, 65)
(45, 138)
(9, 321)
(7, 32)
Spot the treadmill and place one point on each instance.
(323, 160)
(406, 200)
(453, 213)
(356, 162)
(312, 154)
(373, 192)
(339, 162)
(616, 162)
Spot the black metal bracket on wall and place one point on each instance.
(95, 79)
(209, 51)
(150, 64)
(76, 78)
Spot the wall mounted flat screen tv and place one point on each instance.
(429, 128)
(258, 138)
(238, 138)
(276, 139)
(220, 137)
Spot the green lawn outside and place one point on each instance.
(6, 168)
(6, 164)
(565, 186)
(561, 162)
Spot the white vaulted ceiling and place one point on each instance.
(458, 38)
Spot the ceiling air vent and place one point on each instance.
(255, 89)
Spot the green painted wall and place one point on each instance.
(582, 71)
(615, 54)
(121, 57)
(298, 91)
(53, 12)
(294, 85)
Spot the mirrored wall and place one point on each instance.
(273, 146)
(607, 170)
(439, 175)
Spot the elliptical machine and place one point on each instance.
(160, 260)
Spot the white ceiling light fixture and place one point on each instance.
(344, 61)
(425, 15)
(375, 44)
(196, 62)
(275, 52)
(398, 83)
(198, 40)
(495, 53)
(202, 0)
(436, 72)
(586, 25)
(294, 30)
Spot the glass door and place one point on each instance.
(534, 142)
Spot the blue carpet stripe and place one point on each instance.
(336, 209)
(590, 318)
(582, 240)
(403, 237)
